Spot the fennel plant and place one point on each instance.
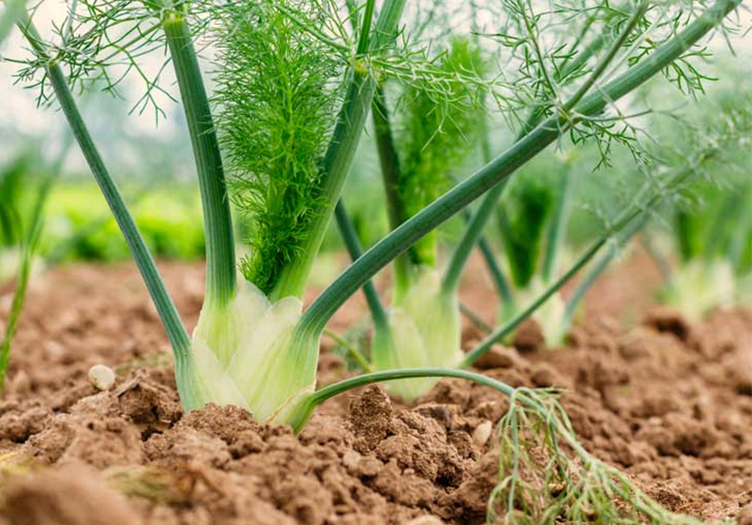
(254, 346)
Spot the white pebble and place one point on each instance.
(101, 377)
(482, 432)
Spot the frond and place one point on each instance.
(276, 105)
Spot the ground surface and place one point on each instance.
(668, 402)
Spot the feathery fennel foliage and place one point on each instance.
(711, 221)
(522, 222)
(277, 89)
(434, 135)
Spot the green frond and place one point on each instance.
(522, 224)
(436, 133)
(276, 102)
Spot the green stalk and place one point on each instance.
(558, 226)
(623, 224)
(168, 314)
(220, 247)
(365, 31)
(475, 318)
(500, 282)
(306, 408)
(399, 240)
(350, 236)
(19, 295)
(480, 219)
(390, 173)
(340, 153)
(357, 356)
(597, 270)
(513, 323)
(664, 268)
(28, 251)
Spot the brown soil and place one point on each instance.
(669, 403)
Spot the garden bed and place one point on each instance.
(668, 402)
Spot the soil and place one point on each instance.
(668, 402)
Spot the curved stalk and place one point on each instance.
(220, 246)
(306, 408)
(168, 314)
(350, 236)
(480, 219)
(504, 165)
(340, 153)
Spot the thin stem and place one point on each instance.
(475, 318)
(365, 31)
(390, 173)
(597, 270)
(513, 323)
(470, 237)
(220, 247)
(558, 226)
(601, 67)
(623, 224)
(19, 295)
(350, 236)
(482, 215)
(340, 153)
(664, 268)
(327, 392)
(28, 250)
(500, 282)
(399, 240)
(168, 314)
(354, 352)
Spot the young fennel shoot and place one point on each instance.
(27, 231)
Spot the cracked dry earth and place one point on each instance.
(668, 402)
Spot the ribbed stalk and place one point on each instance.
(165, 307)
(340, 153)
(220, 247)
(504, 165)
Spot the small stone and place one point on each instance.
(482, 432)
(101, 377)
